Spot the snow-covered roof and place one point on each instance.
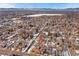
(77, 51)
(77, 38)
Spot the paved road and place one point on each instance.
(66, 51)
(33, 42)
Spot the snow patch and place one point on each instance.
(37, 15)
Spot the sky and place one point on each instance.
(40, 5)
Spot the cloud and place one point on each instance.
(7, 5)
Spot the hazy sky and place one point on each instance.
(40, 5)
